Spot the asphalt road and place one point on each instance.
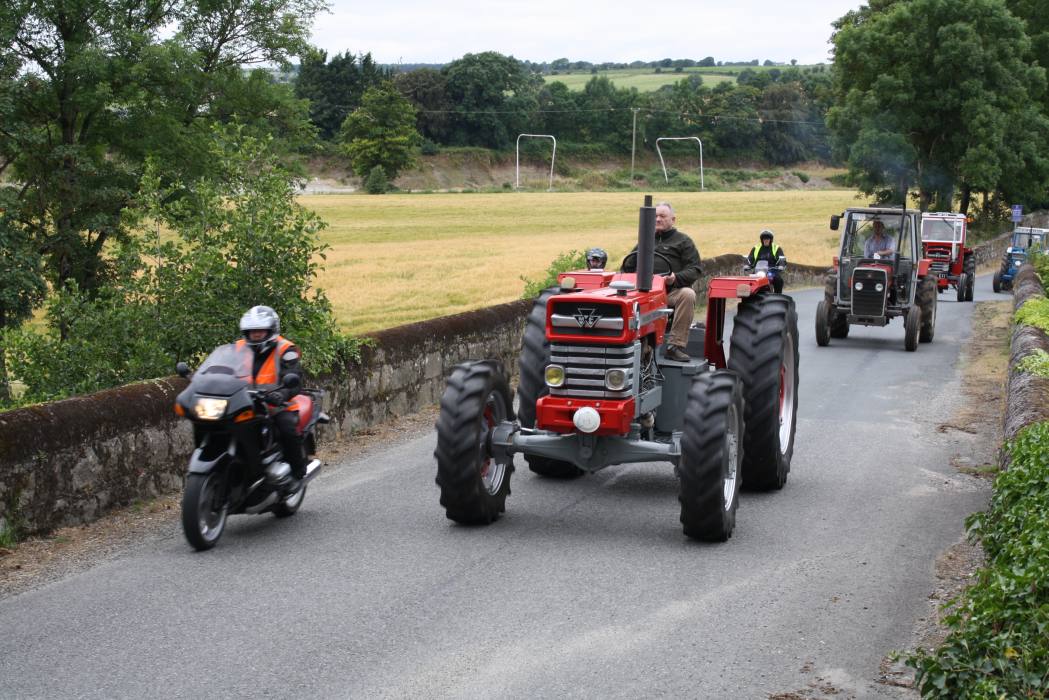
(583, 589)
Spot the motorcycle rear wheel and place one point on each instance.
(204, 510)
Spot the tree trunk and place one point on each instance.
(966, 199)
(5, 389)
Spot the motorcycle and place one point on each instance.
(773, 274)
(237, 465)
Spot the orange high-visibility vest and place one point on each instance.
(269, 373)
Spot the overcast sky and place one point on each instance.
(439, 31)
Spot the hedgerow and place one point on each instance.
(998, 645)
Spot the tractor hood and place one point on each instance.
(605, 314)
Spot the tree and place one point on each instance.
(494, 97)
(932, 94)
(238, 239)
(90, 88)
(334, 88)
(381, 132)
(22, 285)
(427, 90)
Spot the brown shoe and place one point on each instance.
(673, 352)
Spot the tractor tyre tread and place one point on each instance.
(705, 454)
(458, 450)
(927, 298)
(762, 330)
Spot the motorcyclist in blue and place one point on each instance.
(771, 253)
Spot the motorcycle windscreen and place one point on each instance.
(229, 360)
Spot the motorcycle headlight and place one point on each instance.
(858, 286)
(555, 375)
(616, 379)
(210, 409)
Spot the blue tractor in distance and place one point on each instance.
(1025, 239)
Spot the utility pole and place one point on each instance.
(633, 145)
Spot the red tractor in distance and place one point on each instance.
(597, 390)
(943, 243)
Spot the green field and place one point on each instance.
(647, 80)
(401, 258)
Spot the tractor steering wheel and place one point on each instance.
(630, 261)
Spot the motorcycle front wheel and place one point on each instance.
(204, 510)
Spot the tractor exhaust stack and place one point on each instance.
(646, 245)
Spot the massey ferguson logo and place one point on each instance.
(587, 318)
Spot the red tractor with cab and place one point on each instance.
(597, 390)
(943, 243)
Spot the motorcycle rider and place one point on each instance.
(596, 259)
(275, 357)
(771, 253)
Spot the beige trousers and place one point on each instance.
(683, 301)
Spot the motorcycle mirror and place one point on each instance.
(182, 369)
(291, 381)
(834, 221)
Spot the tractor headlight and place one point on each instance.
(555, 375)
(210, 409)
(1017, 262)
(879, 287)
(858, 286)
(616, 379)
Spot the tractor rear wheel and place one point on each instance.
(927, 299)
(711, 456)
(970, 269)
(911, 327)
(764, 353)
(474, 483)
(963, 286)
(535, 356)
(996, 282)
(822, 324)
(839, 324)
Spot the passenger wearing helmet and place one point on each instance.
(276, 357)
(771, 253)
(596, 259)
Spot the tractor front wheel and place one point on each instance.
(711, 457)
(764, 353)
(911, 328)
(927, 301)
(822, 324)
(996, 282)
(535, 356)
(970, 269)
(963, 286)
(474, 483)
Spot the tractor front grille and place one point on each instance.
(867, 300)
(587, 318)
(585, 367)
(939, 267)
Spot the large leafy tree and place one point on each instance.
(494, 97)
(89, 87)
(381, 132)
(194, 259)
(937, 95)
(334, 88)
(427, 90)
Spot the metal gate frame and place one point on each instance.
(681, 138)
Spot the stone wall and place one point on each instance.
(1027, 396)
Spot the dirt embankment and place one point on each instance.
(477, 169)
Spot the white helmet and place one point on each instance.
(260, 318)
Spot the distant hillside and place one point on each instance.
(649, 79)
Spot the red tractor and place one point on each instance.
(597, 390)
(943, 243)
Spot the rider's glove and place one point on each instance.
(274, 398)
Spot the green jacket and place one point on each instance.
(679, 249)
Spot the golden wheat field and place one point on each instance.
(395, 259)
